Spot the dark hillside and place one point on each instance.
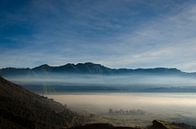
(22, 109)
(156, 124)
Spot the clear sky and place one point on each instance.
(115, 33)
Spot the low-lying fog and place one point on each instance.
(120, 99)
(133, 108)
(73, 82)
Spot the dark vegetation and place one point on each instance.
(22, 109)
(156, 124)
(101, 126)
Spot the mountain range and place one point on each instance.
(90, 68)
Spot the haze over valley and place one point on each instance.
(89, 77)
(126, 97)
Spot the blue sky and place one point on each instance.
(115, 33)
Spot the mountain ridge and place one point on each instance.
(89, 68)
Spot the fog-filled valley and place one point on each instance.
(132, 109)
(105, 83)
(131, 100)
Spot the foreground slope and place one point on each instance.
(156, 124)
(159, 124)
(22, 109)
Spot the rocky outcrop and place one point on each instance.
(159, 124)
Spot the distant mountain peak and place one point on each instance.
(44, 67)
(89, 68)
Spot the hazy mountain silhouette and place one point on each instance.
(89, 68)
